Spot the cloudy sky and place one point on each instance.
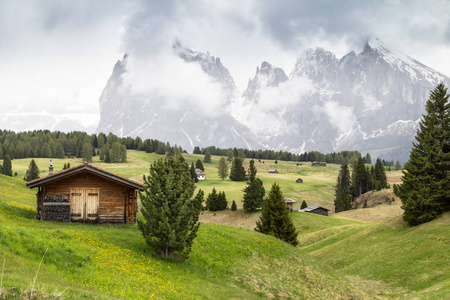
(56, 56)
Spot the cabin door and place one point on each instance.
(84, 204)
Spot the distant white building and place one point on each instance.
(200, 174)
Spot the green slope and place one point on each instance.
(84, 261)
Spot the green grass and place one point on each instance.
(85, 261)
(365, 253)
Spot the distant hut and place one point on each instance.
(319, 164)
(299, 180)
(200, 174)
(315, 209)
(273, 171)
(86, 194)
(289, 203)
(299, 164)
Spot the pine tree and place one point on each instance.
(233, 206)
(360, 178)
(222, 168)
(216, 201)
(170, 214)
(254, 191)
(304, 205)
(379, 176)
(86, 152)
(193, 173)
(275, 219)
(7, 165)
(343, 200)
(237, 172)
(199, 165)
(426, 183)
(32, 172)
(229, 155)
(368, 159)
(398, 166)
(207, 158)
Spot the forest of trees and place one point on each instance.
(56, 144)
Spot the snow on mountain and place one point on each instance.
(369, 101)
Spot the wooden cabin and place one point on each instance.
(299, 180)
(273, 171)
(86, 194)
(319, 164)
(289, 202)
(315, 209)
(200, 174)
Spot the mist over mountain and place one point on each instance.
(369, 101)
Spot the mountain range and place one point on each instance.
(370, 101)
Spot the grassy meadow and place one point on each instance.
(359, 254)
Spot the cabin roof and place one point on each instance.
(88, 168)
(313, 207)
(289, 200)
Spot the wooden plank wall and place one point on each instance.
(112, 196)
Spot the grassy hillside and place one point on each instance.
(83, 261)
(363, 253)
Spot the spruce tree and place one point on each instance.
(222, 168)
(7, 165)
(32, 172)
(170, 213)
(275, 219)
(237, 172)
(343, 195)
(233, 206)
(86, 152)
(379, 176)
(199, 165)
(304, 205)
(216, 201)
(207, 158)
(193, 173)
(360, 178)
(254, 191)
(398, 166)
(426, 182)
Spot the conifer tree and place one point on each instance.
(32, 172)
(360, 178)
(7, 165)
(170, 214)
(304, 205)
(86, 152)
(398, 166)
(254, 191)
(216, 201)
(207, 158)
(237, 172)
(379, 176)
(229, 155)
(426, 182)
(343, 200)
(233, 206)
(222, 168)
(275, 219)
(199, 165)
(192, 172)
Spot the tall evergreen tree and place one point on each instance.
(222, 168)
(254, 191)
(360, 178)
(216, 201)
(237, 172)
(368, 159)
(170, 214)
(32, 172)
(86, 152)
(207, 158)
(233, 206)
(193, 173)
(379, 176)
(230, 155)
(398, 166)
(343, 200)
(199, 165)
(425, 192)
(275, 219)
(7, 165)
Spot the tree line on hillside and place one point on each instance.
(56, 144)
(363, 179)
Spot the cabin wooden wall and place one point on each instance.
(113, 197)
